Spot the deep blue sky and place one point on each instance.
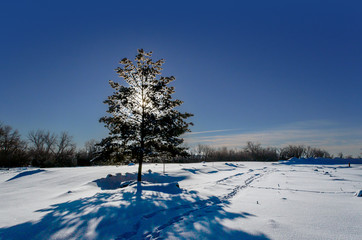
(276, 72)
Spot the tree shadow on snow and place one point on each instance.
(119, 180)
(139, 211)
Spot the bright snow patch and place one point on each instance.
(300, 199)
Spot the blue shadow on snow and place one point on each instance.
(137, 213)
(26, 173)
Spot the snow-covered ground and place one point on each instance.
(229, 200)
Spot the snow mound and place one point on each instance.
(231, 165)
(321, 161)
(26, 173)
(112, 182)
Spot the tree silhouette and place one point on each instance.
(12, 148)
(142, 120)
(48, 149)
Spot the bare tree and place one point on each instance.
(65, 154)
(47, 149)
(37, 140)
(42, 147)
(12, 148)
(257, 153)
(204, 152)
(292, 151)
(91, 147)
(254, 150)
(50, 140)
(316, 152)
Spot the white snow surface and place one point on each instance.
(221, 200)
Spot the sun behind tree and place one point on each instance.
(142, 121)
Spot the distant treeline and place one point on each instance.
(45, 149)
(42, 149)
(255, 152)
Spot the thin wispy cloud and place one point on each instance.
(322, 134)
(213, 131)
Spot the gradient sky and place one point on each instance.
(274, 72)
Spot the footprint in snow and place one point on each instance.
(273, 223)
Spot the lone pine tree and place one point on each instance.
(142, 119)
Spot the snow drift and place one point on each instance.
(238, 200)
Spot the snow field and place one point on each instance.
(246, 200)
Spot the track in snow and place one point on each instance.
(193, 207)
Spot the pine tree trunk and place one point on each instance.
(140, 160)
